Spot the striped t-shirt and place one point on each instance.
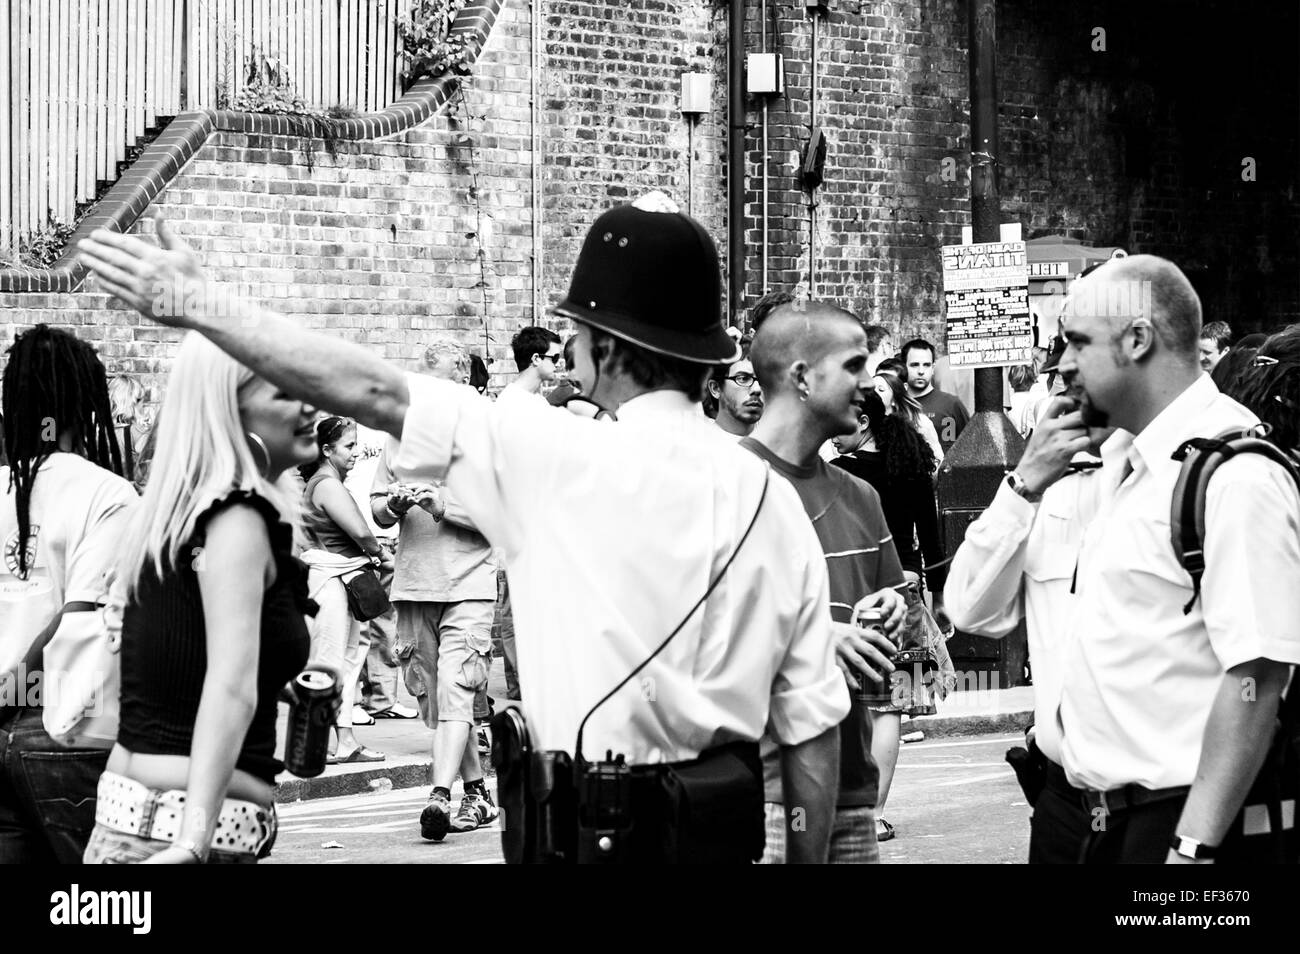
(860, 559)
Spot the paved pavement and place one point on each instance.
(407, 743)
(954, 801)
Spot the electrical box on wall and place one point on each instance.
(813, 172)
(818, 7)
(765, 74)
(696, 92)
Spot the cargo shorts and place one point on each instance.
(446, 652)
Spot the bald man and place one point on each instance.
(1168, 709)
(811, 360)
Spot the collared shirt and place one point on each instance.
(370, 447)
(437, 561)
(611, 535)
(1018, 559)
(1142, 676)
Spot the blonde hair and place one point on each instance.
(124, 393)
(202, 454)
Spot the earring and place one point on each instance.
(260, 446)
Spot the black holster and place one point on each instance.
(1030, 766)
(708, 810)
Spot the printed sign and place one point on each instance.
(986, 294)
(1040, 270)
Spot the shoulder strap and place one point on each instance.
(1201, 457)
(762, 497)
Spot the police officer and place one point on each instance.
(612, 533)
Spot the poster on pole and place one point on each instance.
(986, 296)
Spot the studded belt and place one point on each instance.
(134, 808)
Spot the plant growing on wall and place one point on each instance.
(428, 45)
(268, 89)
(41, 249)
(461, 117)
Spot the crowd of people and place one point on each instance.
(741, 527)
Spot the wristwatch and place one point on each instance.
(1017, 484)
(1191, 848)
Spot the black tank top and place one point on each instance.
(164, 653)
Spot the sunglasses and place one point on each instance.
(742, 378)
(554, 358)
(1262, 361)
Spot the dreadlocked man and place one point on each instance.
(61, 515)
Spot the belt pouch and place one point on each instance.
(555, 805)
(511, 757)
(713, 807)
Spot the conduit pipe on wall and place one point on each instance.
(736, 161)
(534, 132)
(812, 193)
(762, 19)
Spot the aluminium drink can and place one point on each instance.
(316, 695)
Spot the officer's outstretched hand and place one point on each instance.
(1058, 437)
(163, 282)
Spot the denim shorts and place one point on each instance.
(109, 847)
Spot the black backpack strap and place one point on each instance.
(1201, 457)
(1184, 532)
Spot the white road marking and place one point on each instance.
(952, 745)
(977, 778)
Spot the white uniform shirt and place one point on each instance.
(1018, 559)
(1141, 676)
(611, 535)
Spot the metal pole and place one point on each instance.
(690, 163)
(976, 465)
(984, 204)
(536, 162)
(736, 164)
(812, 193)
(762, 19)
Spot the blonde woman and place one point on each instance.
(212, 626)
(127, 397)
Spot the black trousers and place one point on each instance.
(1063, 832)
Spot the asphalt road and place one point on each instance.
(953, 802)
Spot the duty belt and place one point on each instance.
(1127, 797)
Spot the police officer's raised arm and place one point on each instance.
(168, 285)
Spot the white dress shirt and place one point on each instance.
(1141, 675)
(1018, 559)
(611, 535)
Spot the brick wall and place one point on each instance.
(1139, 146)
(613, 129)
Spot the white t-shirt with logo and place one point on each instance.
(78, 516)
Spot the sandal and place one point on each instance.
(884, 830)
(359, 754)
(396, 712)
